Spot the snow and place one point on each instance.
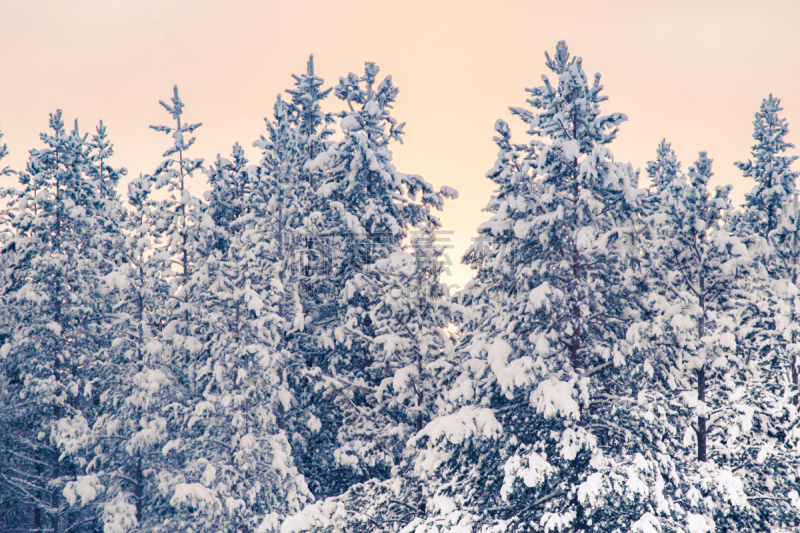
(209, 475)
(465, 423)
(254, 301)
(295, 524)
(70, 434)
(648, 523)
(192, 344)
(794, 498)
(731, 488)
(591, 489)
(350, 123)
(542, 346)
(538, 297)
(403, 376)
(497, 358)
(443, 504)
(533, 475)
(574, 440)
(372, 108)
(119, 515)
(634, 485)
(554, 397)
(449, 192)
(313, 423)
(464, 391)
(153, 431)
(571, 149)
(697, 523)
(285, 398)
(585, 238)
(557, 521)
(234, 504)
(85, 487)
(196, 496)
(173, 444)
(765, 451)
(319, 514)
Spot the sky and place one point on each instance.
(693, 72)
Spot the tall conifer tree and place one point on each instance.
(64, 218)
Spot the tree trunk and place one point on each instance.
(37, 512)
(795, 377)
(55, 494)
(701, 420)
(139, 490)
(702, 433)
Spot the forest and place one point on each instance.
(280, 354)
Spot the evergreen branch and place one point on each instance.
(406, 505)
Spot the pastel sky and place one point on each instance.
(691, 71)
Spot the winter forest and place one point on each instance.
(281, 355)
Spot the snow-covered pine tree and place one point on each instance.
(138, 382)
(665, 169)
(369, 207)
(769, 168)
(697, 266)
(786, 287)
(767, 223)
(184, 224)
(408, 345)
(186, 231)
(63, 220)
(106, 176)
(535, 397)
(762, 215)
(702, 294)
(662, 172)
(411, 351)
(240, 465)
(556, 294)
(13, 514)
(312, 120)
(301, 233)
(231, 184)
(768, 460)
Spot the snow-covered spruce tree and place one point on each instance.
(369, 207)
(64, 219)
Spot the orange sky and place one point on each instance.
(693, 72)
